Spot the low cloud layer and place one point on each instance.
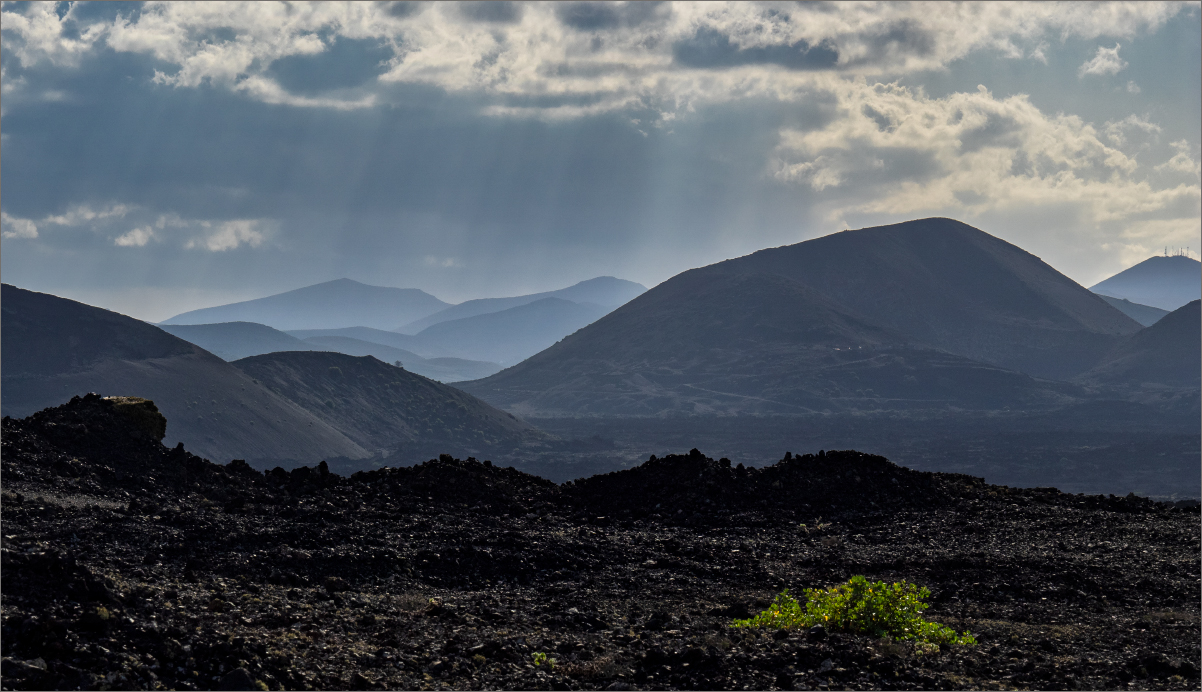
(458, 146)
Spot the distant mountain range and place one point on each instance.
(925, 314)
(1144, 314)
(234, 340)
(294, 406)
(468, 340)
(604, 291)
(333, 304)
(1161, 282)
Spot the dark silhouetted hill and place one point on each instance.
(1169, 353)
(234, 340)
(329, 305)
(718, 342)
(1163, 282)
(923, 314)
(387, 409)
(508, 336)
(1144, 314)
(54, 349)
(605, 291)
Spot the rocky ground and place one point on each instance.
(129, 565)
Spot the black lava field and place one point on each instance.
(129, 565)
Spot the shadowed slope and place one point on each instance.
(1144, 314)
(385, 408)
(56, 348)
(1168, 353)
(710, 342)
(234, 340)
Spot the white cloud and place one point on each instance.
(136, 237)
(1117, 131)
(627, 59)
(1133, 88)
(228, 235)
(82, 213)
(973, 153)
(1106, 61)
(1182, 161)
(446, 262)
(15, 227)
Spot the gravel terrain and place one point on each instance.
(126, 564)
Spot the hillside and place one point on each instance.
(441, 369)
(375, 336)
(925, 314)
(734, 343)
(605, 291)
(54, 349)
(386, 409)
(511, 335)
(1144, 314)
(234, 340)
(1169, 353)
(1163, 282)
(333, 304)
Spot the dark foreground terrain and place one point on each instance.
(130, 565)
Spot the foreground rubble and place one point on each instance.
(129, 565)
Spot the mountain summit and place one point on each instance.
(1163, 282)
(329, 305)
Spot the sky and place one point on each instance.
(161, 157)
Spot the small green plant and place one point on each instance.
(861, 607)
(541, 658)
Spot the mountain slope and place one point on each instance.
(440, 369)
(387, 409)
(511, 335)
(1169, 353)
(55, 348)
(234, 340)
(726, 343)
(375, 336)
(925, 314)
(1163, 282)
(1144, 314)
(606, 291)
(333, 304)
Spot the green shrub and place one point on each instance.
(861, 607)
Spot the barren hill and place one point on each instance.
(55, 348)
(926, 314)
(387, 409)
(1168, 353)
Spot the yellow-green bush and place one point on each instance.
(861, 607)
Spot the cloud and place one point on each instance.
(581, 59)
(445, 262)
(17, 227)
(1117, 131)
(972, 153)
(228, 235)
(1133, 88)
(1182, 161)
(1105, 61)
(81, 214)
(136, 237)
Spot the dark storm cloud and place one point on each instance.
(404, 8)
(498, 11)
(709, 48)
(591, 16)
(343, 64)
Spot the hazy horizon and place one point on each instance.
(163, 158)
